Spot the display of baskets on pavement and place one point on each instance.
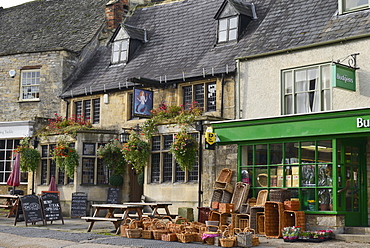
(280, 195)
(225, 176)
(294, 218)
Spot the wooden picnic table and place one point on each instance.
(126, 208)
(155, 206)
(11, 203)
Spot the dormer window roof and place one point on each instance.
(125, 42)
(352, 5)
(233, 18)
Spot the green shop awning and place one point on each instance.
(346, 122)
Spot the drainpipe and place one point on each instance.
(222, 94)
(200, 166)
(237, 89)
(67, 107)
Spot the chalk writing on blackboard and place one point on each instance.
(113, 195)
(79, 204)
(31, 207)
(51, 206)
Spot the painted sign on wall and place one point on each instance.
(344, 77)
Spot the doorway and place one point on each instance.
(352, 185)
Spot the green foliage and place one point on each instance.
(136, 152)
(111, 154)
(140, 179)
(185, 149)
(29, 157)
(65, 157)
(116, 180)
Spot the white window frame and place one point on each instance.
(30, 86)
(357, 6)
(313, 94)
(119, 51)
(227, 29)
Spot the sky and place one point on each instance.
(11, 3)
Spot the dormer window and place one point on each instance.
(120, 51)
(126, 40)
(228, 29)
(352, 5)
(233, 18)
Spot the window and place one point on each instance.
(94, 171)
(163, 165)
(228, 29)
(120, 51)
(203, 94)
(307, 90)
(7, 146)
(49, 168)
(30, 85)
(89, 110)
(348, 5)
(305, 167)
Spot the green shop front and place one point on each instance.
(321, 158)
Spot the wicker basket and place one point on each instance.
(216, 196)
(225, 176)
(227, 242)
(226, 197)
(215, 205)
(292, 205)
(169, 237)
(261, 223)
(185, 237)
(226, 208)
(244, 239)
(134, 233)
(273, 219)
(125, 225)
(262, 180)
(240, 195)
(157, 234)
(294, 218)
(224, 186)
(255, 238)
(280, 195)
(147, 234)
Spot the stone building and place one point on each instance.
(178, 53)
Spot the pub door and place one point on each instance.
(352, 185)
(136, 190)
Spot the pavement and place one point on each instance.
(73, 233)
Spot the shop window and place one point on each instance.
(7, 146)
(88, 110)
(306, 90)
(94, 170)
(351, 5)
(163, 166)
(30, 85)
(203, 94)
(306, 168)
(49, 168)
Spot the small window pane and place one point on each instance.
(124, 45)
(167, 167)
(222, 36)
(233, 34)
(222, 24)
(155, 171)
(233, 22)
(167, 141)
(156, 143)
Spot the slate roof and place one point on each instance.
(181, 39)
(45, 25)
(298, 23)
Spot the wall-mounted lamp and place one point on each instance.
(125, 134)
(12, 73)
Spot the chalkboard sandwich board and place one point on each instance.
(51, 206)
(113, 194)
(31, 208)
(79, 204)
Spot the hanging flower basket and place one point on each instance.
(185, 150)
(136, 152)
(65, 157)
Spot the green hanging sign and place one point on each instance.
(344, 77)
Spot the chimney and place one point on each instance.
(114, 12)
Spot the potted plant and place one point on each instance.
(185, 149)
(291, 234)
(65, 157)
(324, 199)
(29, 157)
(136, 152)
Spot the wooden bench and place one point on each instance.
(6, 206)
(116, 221)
